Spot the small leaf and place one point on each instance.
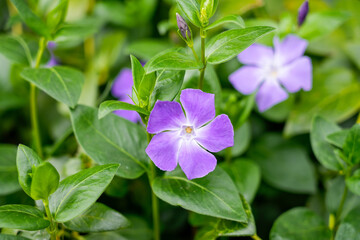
(228, 44)
(8, 172)
(15, 49)
(45, 181)
(30, 19)
(337, 138)
(213, 195)
(353, 182)
(323, 150)
(79, 191)
(191, 9)
(98, 218)
(233, 19)
(120, 140)
(57, 16)
(137, 70)
(22, 217)
(349, 227)
(146, 87)
(26, 159)
(351, 146)
(113, 105)
(173, 58)
(12, 237)
(298, 224)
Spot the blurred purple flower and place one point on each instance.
(303, 12)
(53, 61)
(270, 71)
(122, 90)
(184, 138)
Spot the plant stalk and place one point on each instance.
(52, 227)
(203, 60)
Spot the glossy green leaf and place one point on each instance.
(112, 105)
(350, 227)
(323, 150)
(145, 49)
(62, 83)
(320, 24)
(57, 15)
(228, 44)
(26, 159)
(30, 19)
(352, 145)
(146, 88)
(8, 172)
(173, 59)
(137, 70)
(15, 49)
(298, 224)
(120, 141)
(284, 164)
(167, 86)
(45, 181)
(22, 217)
(233, 19)
(246, 175)
(191, 9)
(353, 182)
(11, 237)
(337, 138)
(79, 191)
(209, 196)
(97, 218)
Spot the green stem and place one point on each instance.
(62, 139)
(33, 107)
(228, 154)
(52, 227)
(203, 60)
(195, 55)
(255, 237)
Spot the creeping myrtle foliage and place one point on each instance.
(185, 137)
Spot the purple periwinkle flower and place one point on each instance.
(183, 27)
(122, 90)
(303, 12)
(271, 70)
(186, 137)
(53, 61)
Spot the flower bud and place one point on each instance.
(303, 12)
(183, 27)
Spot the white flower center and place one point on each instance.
(187, 132)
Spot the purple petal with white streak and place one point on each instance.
(246, 79)
(289, 49)
(270, 93)
(256, 54)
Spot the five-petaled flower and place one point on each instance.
(270, 71)
(122, 90)
(184, 138)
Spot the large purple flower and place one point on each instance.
(270, 71)
(122, 90)
(184, 138)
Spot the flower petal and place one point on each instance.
(165, 116)
(257, 54)
(217, 135)
(199, 106)
(270, 93)
(195, 161)
(246, 79)
(163, 150)
(122, 86)
(289, 49)
(297, 75)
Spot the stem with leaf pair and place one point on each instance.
(203, 60)
(52, 227)
(33, 107)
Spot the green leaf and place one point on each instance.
(167, 86)
(57, 16)
(147, 48)
(30, 19)
(45, 181)
(320, 24)
(228, 44)
(353, 182)
(174, 59)
(337, 138)
(284, 164)
(353, 51)
(242, 137)
(112, 105)
(352, 145)
(62, 83)
(350, 227)
(323, 150)
(298, 224)
(97, 218)
(191, 9)
(26, 159)
(120, 141)
(146, 88)
(233, 19)
(79, 191)
(15, 49)
(246, 175)
(8, 172)
(213, 195)
(11, 237)
(22, 217)
(137, 70)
